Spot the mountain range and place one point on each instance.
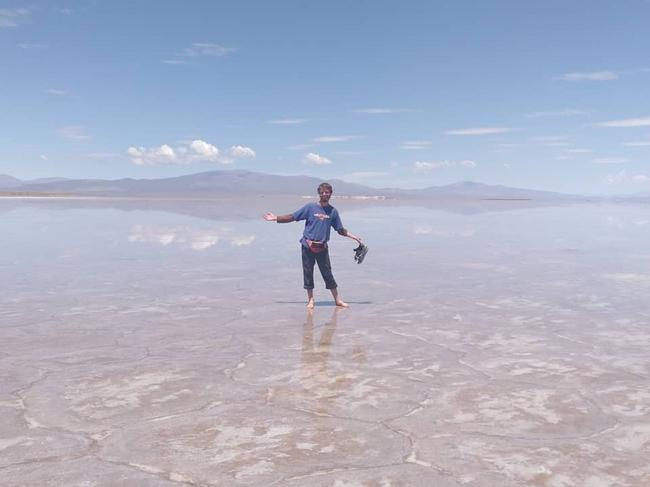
(215, 184)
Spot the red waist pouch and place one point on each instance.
(316, 247)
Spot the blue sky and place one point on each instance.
(547, 95)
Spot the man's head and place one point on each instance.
(325, 192)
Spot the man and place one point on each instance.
(319, 218)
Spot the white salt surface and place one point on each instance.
(167, 343)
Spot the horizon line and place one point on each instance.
(459, 182)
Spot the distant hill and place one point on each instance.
(642, 194)
(8, 182)
(206, 184)
(479, 190)
(216, 184)
(45, 180)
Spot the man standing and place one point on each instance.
(319, 218)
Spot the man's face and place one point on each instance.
(325, 195)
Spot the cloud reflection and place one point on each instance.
(425, 229)
(186, 236)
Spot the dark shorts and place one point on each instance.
(309, 258)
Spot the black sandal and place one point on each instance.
(360, 253)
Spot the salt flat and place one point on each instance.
(155, 344)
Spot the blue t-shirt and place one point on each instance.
(318, 221)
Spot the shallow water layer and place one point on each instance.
(167, 343)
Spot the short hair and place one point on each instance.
(325, 186)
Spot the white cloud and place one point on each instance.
(199, 50)
(579, 151)
(594, 76)
(241, 151)
(11, 17)
(415, 144)
(609, 160)
(317, 159)
(336, 138)
(616, 178)
(628, 122)
(349, 152)
(640, 178)
(642, 143)
(509, 145)
(157, 155)
(288, 121)
(73, 132)
(425, 166)
(197, 151)
(43, 157)
(204, 151)
(32, 46)
(375, 111)
(569, 112)
(479, 131)
(428, 166)
(54, 92)
(207, 49)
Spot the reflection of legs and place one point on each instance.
(308, 336)
(320, 384)
(318, 353)
(308, 261)
(328, 333)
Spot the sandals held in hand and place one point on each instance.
(360, 253)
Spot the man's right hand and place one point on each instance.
(270, 217)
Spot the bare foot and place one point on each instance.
(310, 304)
(342, 304)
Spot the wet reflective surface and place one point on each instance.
(167, 343)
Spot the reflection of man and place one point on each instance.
(317, 354)
(316, 379)
(321, 383)
(319, 218)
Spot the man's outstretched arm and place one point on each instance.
(270, 217)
